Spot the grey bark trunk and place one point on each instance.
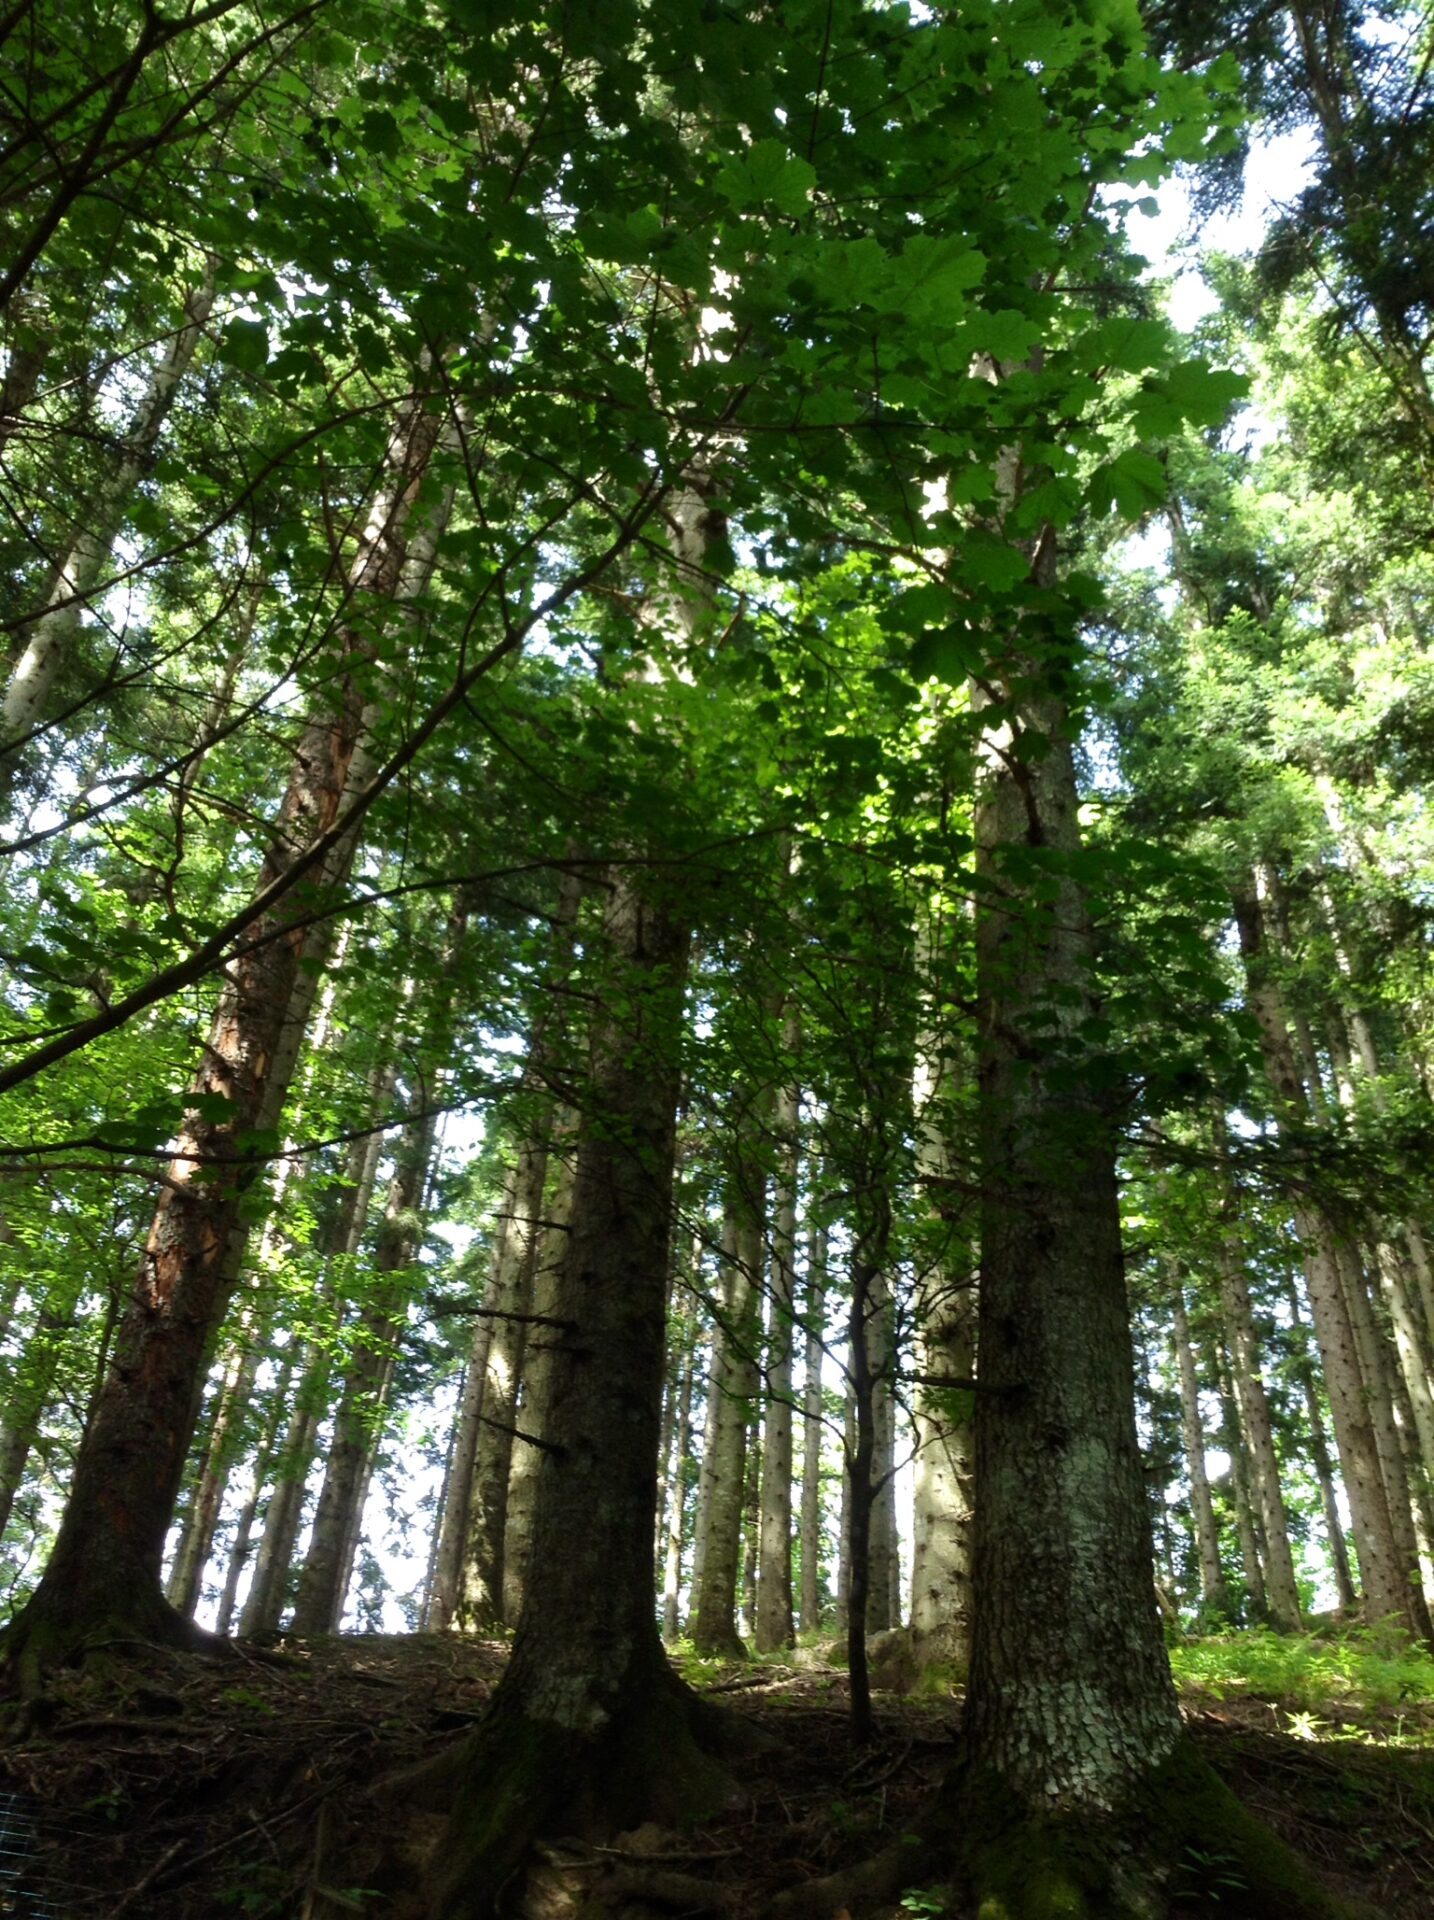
(545, 1342)
(714, 1622)
(811, 1601)
(27, 697)
(318, 1606)
(1213, 1596)
(1070, 1701)
(774, 1624)
(1383, 1567)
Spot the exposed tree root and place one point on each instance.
(52, 1631)
(1184, 1842)
(658, 1758)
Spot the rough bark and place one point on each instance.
(51, 639)
(544, 1342)
(318, 1606)
(774, 1627)
(1384, 1572)
(1213, 1597)
(587, 1727)
(811, 1519)
(714, 1616)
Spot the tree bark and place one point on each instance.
(774, 1627)
(587, 1714)
(811, 1594)
(1383, 1568)
(27, 696)
(714, 1618)
(318, 1606)
(1214, 1600)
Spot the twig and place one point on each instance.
(143, 1885)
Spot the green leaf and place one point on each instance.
(768, 175)
(244, 345)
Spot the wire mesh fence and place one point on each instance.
(23, 1895)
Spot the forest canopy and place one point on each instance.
(716, 932)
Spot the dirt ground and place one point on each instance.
(183, 1789)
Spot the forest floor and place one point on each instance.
(185, 1789)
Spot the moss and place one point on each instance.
(1224, 1859)
(514, 1772)
(1183, 1837)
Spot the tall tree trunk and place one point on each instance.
(197, 1534)
(318, 1606)
(1383, 1567)
(945, 1347)
(775, 1629)
(27, 697)
(587, 1711)
(714, 1616)
(811, 1536)
(268, 1590)
(1232, 1438)
(883, 1599)
(1070, 1709)
(104, 1572)
(1213, 1598)
(511, 1299)
(1281, 1590)
(278, 1400)
(545, 1340)
(1323, 1466)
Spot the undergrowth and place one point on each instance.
(1356, 1672)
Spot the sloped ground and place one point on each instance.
(175, 1788)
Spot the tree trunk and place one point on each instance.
(318, 1606)
(1232, 1438)
(1214, 1600)
(811, 1601)
(197, 1534)
(1070, 1712)
(1385, 1574)
(679, 1474)
(883, 1596)
(511, 1297)
(104, 1573)
(264, 1605)
(1324, 1470)
(544, 1342)
(27, 697)
(774, 1625)
(714, 1618)
(1281, 1588)
(587, 1720)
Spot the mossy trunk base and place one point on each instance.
(524, 1780)
(55, 1629)
(1182, 1845)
